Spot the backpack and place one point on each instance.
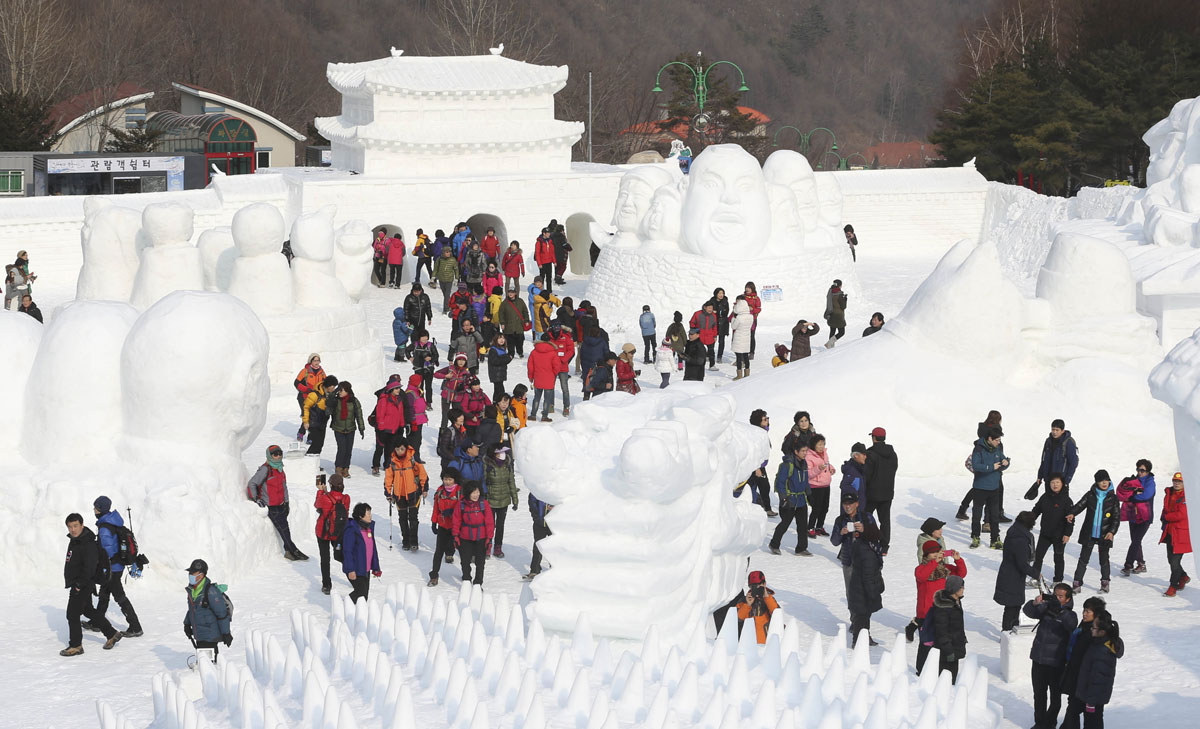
(222, 590)
(339, 518)
(371, 420)
(127, 547)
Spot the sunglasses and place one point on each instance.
(1142, 470)
(277, 453)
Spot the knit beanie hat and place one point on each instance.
(930, 547)
(1102, 475)
(103, 504)
(954, 583)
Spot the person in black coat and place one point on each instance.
(1015, 566)
(1056, 620)
(944, 625)
(1078, 642)
(847, 528)
(1055, 530)
(80, 572)
(601, 378)
(880, 476)
(695, 354)
(418, 312)
(1097, 674)
(864, 595)
(1097, 528)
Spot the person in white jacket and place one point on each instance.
(665, 362)
(742, 322)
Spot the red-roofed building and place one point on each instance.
(653, 134)
(82, 121)
(901, 155)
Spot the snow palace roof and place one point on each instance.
(446, 75)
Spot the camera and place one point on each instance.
(758, 591)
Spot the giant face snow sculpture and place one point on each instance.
(661, 224)
(791, 169)
(633, 200)
(725, 210)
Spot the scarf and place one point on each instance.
(940, 572)
(344, 411)
(198, 588)
(1098, 515)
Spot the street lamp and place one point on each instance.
(805, 139)
(841, 161)
(699, 78)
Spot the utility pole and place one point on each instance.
(589, 156)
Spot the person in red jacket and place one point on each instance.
(705, 320)
(543, 253)
(473, 402)
(389, 422)
(1176, 534)
(473, 526)
(542, 367)
(445, 502)
(626, 374)
(490, 245)
(268, 488)
(565, 344)
(329, 497)
(513, 265)
(931, 576)
(395, 261)
(751, 293)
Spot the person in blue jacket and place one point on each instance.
(360, 558)
(206, 622)
(988, 463)
(106, 518)
(853, 479)
(400, 332)
(533, 290)
(538, 510)
(469, 464)
(791, 483)
(648, 326)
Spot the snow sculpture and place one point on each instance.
(352, 257)
(73, 400)
(316, 286)
(218, 253)
(725, 211)
(727, 222)
(22, 336)
(169, 262)
(110, 251)
(661, 463)
(152, 409)
(193, 374)
(1169, 207)
(633, 201)
(261, 276)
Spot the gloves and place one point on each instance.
(135, 571)
(514, 507)
(377, 573)
(362, 434)
(1089, 708)
(457, 542)
(187, 630)
(488, 552)
(261, 504)
(227, 639)
(435, 528)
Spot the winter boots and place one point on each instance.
(910, 630)
(998, 544)
(1169, 593)
(72, 650)
(1077, 586)
(343, 472)
(108, 644)
(974, 542)
(1104, 586)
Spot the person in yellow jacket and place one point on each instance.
(404, 483)
(543, 310)
(508, 419)
(316, 414)
(519, 406)
(493, 306)
(758, 605)
(310, 376)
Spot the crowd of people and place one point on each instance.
(490, 316)
(18, 287)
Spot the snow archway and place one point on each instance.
(480, 222)
(579, 235)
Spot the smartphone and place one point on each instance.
(321, 480)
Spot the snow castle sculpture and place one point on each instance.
(645, 531)
(727, 222)
(308, 306)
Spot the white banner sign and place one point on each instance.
(77, 165)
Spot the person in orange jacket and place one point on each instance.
(404, 482)
(759, 604)
(310, 376)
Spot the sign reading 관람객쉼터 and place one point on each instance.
(77, 165)
(772, 293)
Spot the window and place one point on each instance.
(262, 159)
(12, 181)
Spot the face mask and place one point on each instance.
(192, 580)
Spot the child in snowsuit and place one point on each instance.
(445, 502)
(474, 527)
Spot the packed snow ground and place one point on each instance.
(1159, 678)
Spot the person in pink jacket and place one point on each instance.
(380, 256)
(415, 397)
(395, 259)
(820, 475)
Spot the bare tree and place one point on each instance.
(471, 27)
(36, 48)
